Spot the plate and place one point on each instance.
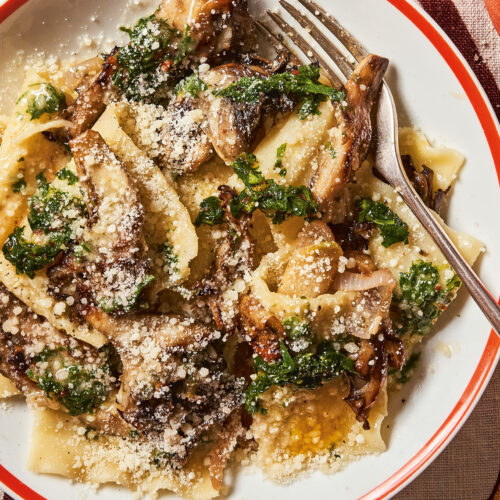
(437, 92)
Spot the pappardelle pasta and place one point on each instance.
(200, 264)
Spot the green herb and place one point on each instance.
(296, 328)
(333, 153)
(43, 98)
(307, 369)
(134, 434)
(171, 259)
(81, 250)
(131, 302)
(421, 299)
(47, 353)
(51, 212)
(82, 391)
(67, 175)
(210, 213)
(49, 207)
(192, 85)
(29, 257)
(20, 159)
(273, 200)
(278, 165)
(408, 368)
(392, 228)
(139, 62)
(303, 84)
(186, 45)
(19, 185)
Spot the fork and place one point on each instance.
(385, 145)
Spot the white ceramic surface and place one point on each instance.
(429, 97)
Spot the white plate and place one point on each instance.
(437, 92)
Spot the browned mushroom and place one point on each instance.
(33, 353)
(234, 257)
(261, 329)
(92, 100)
(216, 25)
(115, 270)
(174, 381)
(350, 138)
(372, 361)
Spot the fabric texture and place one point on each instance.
(470, 26)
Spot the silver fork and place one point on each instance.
(386, 147)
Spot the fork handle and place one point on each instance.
(469, 278)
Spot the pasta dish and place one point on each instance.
(200, 265)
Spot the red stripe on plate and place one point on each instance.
(18, 486)
(9, 7)
(484, 368)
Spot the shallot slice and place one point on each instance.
(355, 282)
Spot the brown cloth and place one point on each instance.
(468, 469)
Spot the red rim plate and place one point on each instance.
(487, 363)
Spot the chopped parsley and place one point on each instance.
(143, 65)
(191, 85)
(392, 228)
(298, 333)
(421, 298)
(278, 165)
(306, 369)
(81, 391)
(273, 200)
(303, 84)
(42, 98)
(210, 212)
(333, 153)
(19, 185)
(52, 213)
(68, 175)
(170, 258)
(186, 45)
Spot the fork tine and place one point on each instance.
(305, 47)
(349, 42)
(345, 66)
(277, 44)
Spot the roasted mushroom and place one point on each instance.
(217, 26)
(350, 139)
(57, 371)
(234, 257)
(114, 270)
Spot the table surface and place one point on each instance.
(468, 469)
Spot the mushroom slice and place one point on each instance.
(175, 385)
(216, 25)
(232, 125)
(262, 328)
(349, 140)
(233, 258)
(57, 371)
(373, 358)
(184, 144)
(115, 270)
(92, 100)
